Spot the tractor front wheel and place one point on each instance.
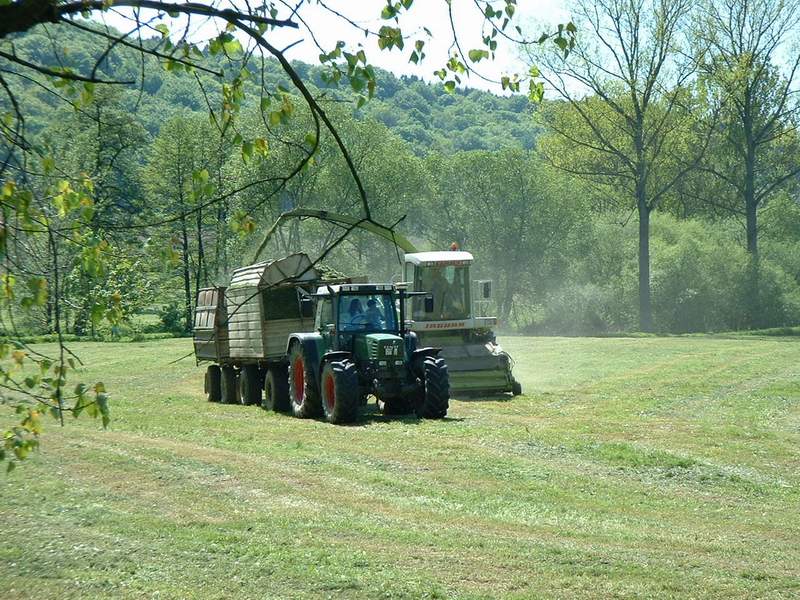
(228, 393)
(213, 383)
(303, 398)
(276, 389)
(434, 400)
(340, 397)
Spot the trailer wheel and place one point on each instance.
(340, 397)
(249, 385)
(276, 389)
(228, 392)
(434, 400)
(303, 398)
(212, 384)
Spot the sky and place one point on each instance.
(533, 16)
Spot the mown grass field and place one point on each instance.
(631, 467)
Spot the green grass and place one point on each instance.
(633, 467)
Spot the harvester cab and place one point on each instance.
(459, 323)
(361, 347)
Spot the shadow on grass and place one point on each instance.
(483, 397)
(372, 414)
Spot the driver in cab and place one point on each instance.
(374, 315)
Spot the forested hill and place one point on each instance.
(423, 114)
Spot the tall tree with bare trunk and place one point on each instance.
(625, 107)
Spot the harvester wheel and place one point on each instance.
(340, 397)
(249, 385)
(276, 389)
(228, 390)
(303, 398)
(212, 385)
(516, 388)
(435, 399)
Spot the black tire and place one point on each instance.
(303, 397)
(249, 385)
(276, 389)
(516, 388)
(339, 391)
(434, 400)
(394, 406)
(228, 391)
(213, 384)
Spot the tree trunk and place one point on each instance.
(643, 207)
(750, 202)
(752, 296)
(645, 307)
(201, 263)
(187, 283)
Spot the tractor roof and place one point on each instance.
(355, 288)
(444, 258)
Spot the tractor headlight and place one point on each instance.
(381, 363)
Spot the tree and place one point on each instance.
(507, 208)
(750, 67)
(626, 108)
(176, 179)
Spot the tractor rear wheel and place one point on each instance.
(516, 388)
(249, 385)
(340, 397)
(434, 400)
(276, 389)
(303, 398)
(228, 393)
(212, 385)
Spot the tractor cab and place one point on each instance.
(357, 317)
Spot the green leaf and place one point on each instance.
(476, 55)
(163, 29)
(247, 151)
(536, 91)
(449, 86)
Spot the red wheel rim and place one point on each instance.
(330, 392)
(299, 379)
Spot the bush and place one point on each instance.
(171, 317)
(702, 279)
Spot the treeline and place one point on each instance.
(491, 173)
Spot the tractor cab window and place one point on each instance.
(326, 313)
(449, 286)
(367, 312)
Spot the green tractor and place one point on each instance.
(361, 347)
